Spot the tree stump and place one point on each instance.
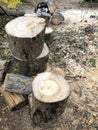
(49, 97)
(26, 37)
(48, 32)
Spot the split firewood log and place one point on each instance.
(14, 100)
(18, 84)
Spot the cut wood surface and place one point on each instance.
(48, 30)
(57, 18)
(14, 100)
(25, 27)
(49, 87)
(26, 37)
(18, 84)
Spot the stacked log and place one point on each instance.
(3, 69)
(17, 84)
(16, 89)
(26, 42)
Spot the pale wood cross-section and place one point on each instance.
(26, 37)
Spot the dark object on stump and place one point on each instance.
(43, 6)
(42, 10)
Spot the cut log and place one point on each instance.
(57, 18)
(14, 100)
(26, 37)
(49, 97)
(52, 6)
(31, 68)
(18, 84)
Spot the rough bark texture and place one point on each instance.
(14, 100)
(40, 63)
(26, 49)
(18, 84)
(3, 69)
(41, 113)
(30, 68)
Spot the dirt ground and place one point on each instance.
(81, 112)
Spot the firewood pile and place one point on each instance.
(46, 93)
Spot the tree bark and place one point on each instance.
(26, 37)
(18, 84)
(39, 65)
(33, 67)
(3, 69)
(41, 113)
